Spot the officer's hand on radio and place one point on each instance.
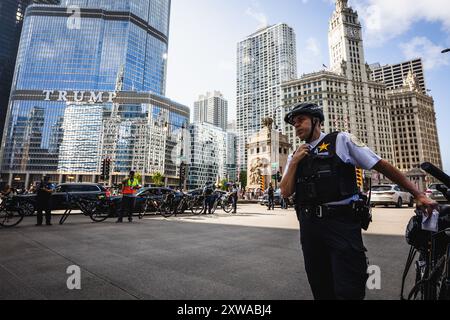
(301, 153)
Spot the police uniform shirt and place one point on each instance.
(350, 150)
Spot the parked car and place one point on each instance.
(434, 194)
(60, 198)
(264, 200)
(391, 195)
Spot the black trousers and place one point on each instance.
(43, 205)
(271, 202)
(127, 207)
(335, 258)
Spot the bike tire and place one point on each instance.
(11, 218)
(166, 210)
(100, 215)
(198, 206)
(214, 208)
(227, 206)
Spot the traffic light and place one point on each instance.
(182, 171)
(103, 174)
(279, 176)
(359, 178)
(107, 168)
(263, 183)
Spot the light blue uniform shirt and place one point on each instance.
(351, 151)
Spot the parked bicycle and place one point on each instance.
(432, 279)
(98, 210)
(14, 210)
(224, 201)
(172, 206)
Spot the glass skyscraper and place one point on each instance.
(89, 84)
(11, 18)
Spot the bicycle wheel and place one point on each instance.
(166, 210)
(100, 213)
(10, 218)
(198, 206)
(227, 206)
(214, 207)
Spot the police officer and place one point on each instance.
(322, 175)
(234, 197)
(129, 190)
(208, 193)
(271, 195)
(43, 201)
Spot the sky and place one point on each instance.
(204, 36)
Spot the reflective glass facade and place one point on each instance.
(11, 18)
(94, 91)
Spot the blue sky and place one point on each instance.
(204, 35)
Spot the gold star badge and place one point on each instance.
(324, 147)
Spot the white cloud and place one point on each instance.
(312, 45)
(387, 19)
(422, 47)
(256, 13)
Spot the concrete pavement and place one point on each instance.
(252, 255)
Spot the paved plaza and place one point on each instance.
(250, 256)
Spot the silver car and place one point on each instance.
(434, 194)
(391, 195)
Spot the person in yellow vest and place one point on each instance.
(130, 186)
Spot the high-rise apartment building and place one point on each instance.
(265, 60)
(212, 108)
(393, 75)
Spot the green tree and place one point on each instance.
(243, 179)
(224, 184)
(138, 176)
(157, 179)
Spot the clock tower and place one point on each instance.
(363, 111)
(346, 44)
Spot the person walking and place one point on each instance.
(44, 192)
(271, 195)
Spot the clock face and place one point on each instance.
(353, 32)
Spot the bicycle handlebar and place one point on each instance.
(437, 173)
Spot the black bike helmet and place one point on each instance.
(309, 109)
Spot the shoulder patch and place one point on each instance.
(354, 139)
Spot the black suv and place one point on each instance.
(60, 195)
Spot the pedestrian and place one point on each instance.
(271, 196)
(130, 186)
(328, 205)
(44, 192)
(208, 194)
(234, 197)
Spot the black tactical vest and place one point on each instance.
(323, 177)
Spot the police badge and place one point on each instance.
(356, 141)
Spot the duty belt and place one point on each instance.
(325, 211)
